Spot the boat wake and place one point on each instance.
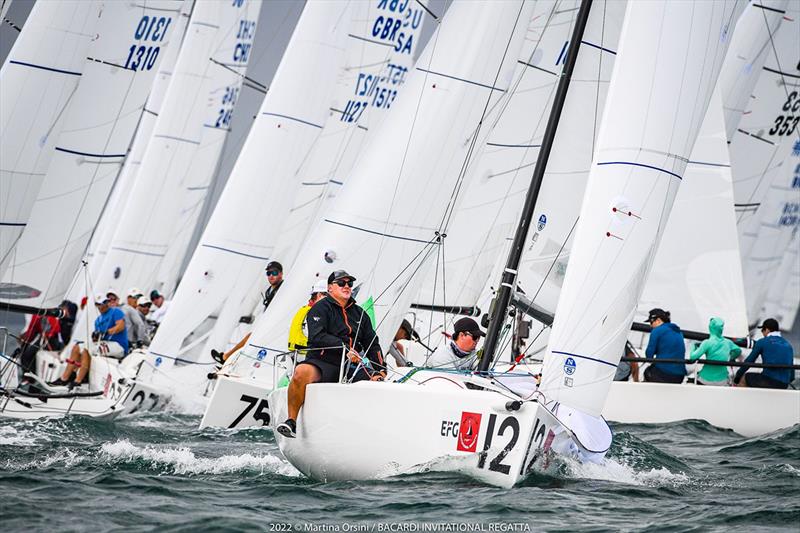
(183, 461)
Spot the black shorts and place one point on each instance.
(655, 375)
(760, 381)
(329, 371)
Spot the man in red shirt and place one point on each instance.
(42, 333)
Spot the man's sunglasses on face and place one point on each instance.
(342, 283)
(272, 272)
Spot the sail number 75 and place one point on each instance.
(261, 413)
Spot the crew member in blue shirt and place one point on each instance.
(774, 350)
(666, 342)
(109, 327)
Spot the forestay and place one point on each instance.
(697, 273)
(384, 226)
(239, 238)
(37, 82)
(182, 155)
(99, 124)
(666, 68)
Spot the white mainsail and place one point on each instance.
(697, 273)
(187, 140)
(374, 73)
(783, 297)
(750, 45)
(37, 82)
(666, 68)
(380, 53)
(383, 226)
(239, 238)
(101, 238)
(99, 124)
(779, 215)
(493, 200)
(767, 131)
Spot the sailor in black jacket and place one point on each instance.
(336, 325)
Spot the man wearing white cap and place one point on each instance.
(134, 321)
(109, 326)
(298, 331)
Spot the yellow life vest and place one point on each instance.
(298, 331)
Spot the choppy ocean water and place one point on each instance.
(159, 472)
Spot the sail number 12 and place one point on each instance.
(154, 29)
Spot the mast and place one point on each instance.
(508, 279)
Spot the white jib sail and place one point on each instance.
(377, 59)
(99, 124)
(239, 238)
(37, 82)
(383, 226)
(182, 155)
(697, 273)
(750, 45)
(667, 66)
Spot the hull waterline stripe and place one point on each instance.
(132, 251)
(234, 252)
(612, 365)
(587, 43)
(460, 79)
(301, 121)
(379, 233)
(42, 67)
(630, 163)
(87, 154)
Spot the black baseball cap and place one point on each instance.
(339, 274)
(409, 329)
(274, 265)
(468, 325)
(770, 324)
(658, 313)
(155, 294)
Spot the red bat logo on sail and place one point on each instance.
(468, 432)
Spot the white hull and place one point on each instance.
(372, 430)
(237, 403)
(747, 411)
(121, 393)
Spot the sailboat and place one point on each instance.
(656, 111)
(98, 126)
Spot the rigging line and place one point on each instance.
(428, 11)
(243, 76)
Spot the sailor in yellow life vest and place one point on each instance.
(298, 331)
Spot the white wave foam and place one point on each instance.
(611, 470)
(10, 436)
(184, 461)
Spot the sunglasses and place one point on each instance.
(342, 282)
(272, 272)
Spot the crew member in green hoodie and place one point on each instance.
(715, 348)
